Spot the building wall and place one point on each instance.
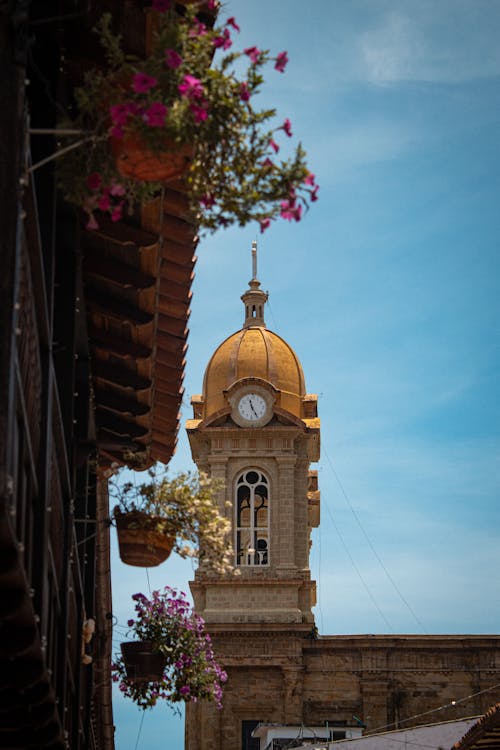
(281, 675)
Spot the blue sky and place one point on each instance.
(389, 293)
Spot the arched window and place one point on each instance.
(252, 518)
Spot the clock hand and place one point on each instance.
(252, 407)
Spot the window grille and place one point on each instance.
(252, 518)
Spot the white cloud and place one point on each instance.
(432, 42)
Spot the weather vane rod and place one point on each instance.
(254, 259)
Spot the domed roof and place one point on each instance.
(254, 352)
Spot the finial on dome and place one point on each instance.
(254, 260)
(254, 298)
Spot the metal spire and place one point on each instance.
(254, 298)
(254, 260)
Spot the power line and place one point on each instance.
(346, 548)
(434, 710)
(139, 732)
(374, 551)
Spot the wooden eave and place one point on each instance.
(485, 734)
(138, 275)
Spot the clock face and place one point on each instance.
(252, 407)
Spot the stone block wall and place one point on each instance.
(279, 674)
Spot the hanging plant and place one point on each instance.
(185, 103)
(171, 657)
(178, 513)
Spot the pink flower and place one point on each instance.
(310, 179)
(104, 203)
(253, 53)
(198, 29)
(119, 113)
(274, 146)
(268, 163)
(281, 62)
(232, 22)
(161, 5)
(264, 224)
(199, 112)
(191, 87)
(91, 223)
(224, 40)
(172, 58)
(93, 180)
(287, 127)
(244, 92)
(185, 690)
(117, 189)
(117, 131)
(207, 200)
(116, 213)
(212, 4)
(314, 194)
(155, 115)
(290, 210)
(142, 82)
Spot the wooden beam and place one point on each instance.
(119, 233)
(115, 444)
(120, 376)
(115, 308)
(182, 273)
(118, 426)
(172, 344)
(178, 231)
(120, 404)
(173, 308)
(174, 290)
(180, 252)
(114, 272)
(174, 326)
(124, 348)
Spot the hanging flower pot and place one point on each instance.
(135, 160)
(153, 517)
(140, 542)
(172, 657)
(142, 662)
(193, 88)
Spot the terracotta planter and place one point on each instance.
(139, 543)
(136, 161)
(141, 662)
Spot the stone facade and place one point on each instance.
(281, 675)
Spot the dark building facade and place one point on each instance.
(93, 330)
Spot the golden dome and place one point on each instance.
(254, 352)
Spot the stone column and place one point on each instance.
(286, 511)
(218, 467)
(293, 678)
(301, 521)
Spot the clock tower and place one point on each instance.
(256, 429)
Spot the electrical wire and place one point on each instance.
(320, 611)
(369, 542)
(339, 534)
(434, 710)
(139, 732)
(367, 538)
(365, 585)
(272, 314)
